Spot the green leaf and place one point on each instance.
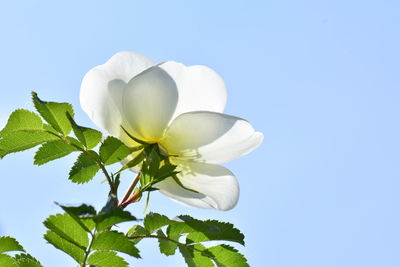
(23, 140)
(154, 221)
(194, 256)
(67, 235)
(106, 259)
(53, 150)
(145, 178)
(22, 120)
(89, 137)
(66, 227)
(54, 113)
(84, 169)
(74, 142)
(135, 232)
(112, 240)
(201, 258)
(227, 256)
(199, 231)
(82, 214)
(116, 215)
(8, 243)
(28, 263)
(154, 163)
(135, 161)
(7, 261)
(24, 256)
(167, 247)
(62, 244)
(187, 254)
(26, 260)
(113, 150)
(166, 171)
(81, 211)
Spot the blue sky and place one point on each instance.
(320, 79)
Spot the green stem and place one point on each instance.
(102, 167)
(109, 180)
(88, 250)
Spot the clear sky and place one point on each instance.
(320, 79)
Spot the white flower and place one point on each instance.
(180, 108)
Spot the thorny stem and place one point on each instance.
(126, 200)
(103, 169)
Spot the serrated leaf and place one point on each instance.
(8, 261)
(227, 256)
(195, 257)
(166, 246)
(200, 258)
(67, 228)
(54, 113)
(22, 120)
(112, 240)
(23, 140)
(82, 214)
(24, 256)
(113, 150)
(187, 254)
(52, 150)
(153, 221)
(28, 263)
(199, 231)
(89, 137)
(84, 169)
(26, 260)
(135, 232)
(8, 243)
(116, 215)
(106, 259)
(71, 249)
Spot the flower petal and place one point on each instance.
(217, 186)
(199, 87)
(210, 137)
(102, 86)
(149, 101)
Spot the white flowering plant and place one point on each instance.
(165, 123)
